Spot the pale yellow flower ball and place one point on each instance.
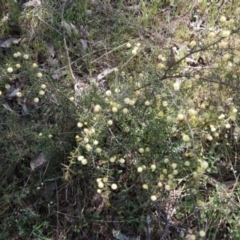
(97, 108)
(19, 94)
(71, 99)
(34, 65)
(185, 138)
(10, 70)
(26, 56)
(114, 186)
(114, 109)
(212, 35)
(80, 158)
(147, 149)
(187, 163)
(121, 160)
(193, 43)
(125, 110)
(112, 159)
(108, 93)
(128, 45)
(79, 124)
(145, 186)
(192, 112)
(202, 233)
(18, 65)
(100, 184)
(88, 147)
(153, 198)
(36, 100)
(43, 86)
(166, 160)
(204, 164)
(153, 167)
(139, 169)
(167, 187)
(228, 126)
(226, 57)
(165, 103)
(223, 19)
(39, 74)
(41, 92)
(180, 116)
(84, 161)
(141, 150)
(110, 122)
(225, 33)
(98, 150)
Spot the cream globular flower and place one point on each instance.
(185, 138)
(180, 117)
(112, 159)
(80, 158)
(153, 167)
(153, 198)
(139, 169)
(128, 45)
(125, 110)
(114, 186)
(34, 65)
(141, 150)
(36, 100)
(121, 160)
(100, 184)
(9, 69)
(110, 122)
(84, 161)
(165, 103)
(41, 92)
(176, 86)
(18, 65)
(79, 124)
(202, 233)
(97, 108)
(225, 33)
(114, 109)
(108, 93)
(145, 186)
(19, 94)
(26, 56)
(98, 150)
(39, 74)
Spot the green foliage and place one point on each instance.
(119, 120)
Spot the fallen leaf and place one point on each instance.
(58, 74)
(104, 73)
(8, 42)
(67, 27)
(14, 93)
(38, 161)
(32, 3)
(6, 105)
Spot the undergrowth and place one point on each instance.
(119, 120)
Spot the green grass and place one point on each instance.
(147, 148)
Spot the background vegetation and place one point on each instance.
(119, 119)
